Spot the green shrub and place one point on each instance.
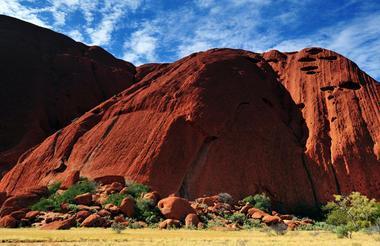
(237, 218)
(250, 200)
(252, 223)
(146, 210)
(115, 199)
(318, 226)
(343, 231)
(355, 211)
(260, 201)
(79, 188)
(136, 189)
(54, 188)
(118, 227)
(46, 204)
(216, 222)
(54, 201)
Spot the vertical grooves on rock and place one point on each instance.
(329, 147)
(335, 179)
(309, 177)
(195, 166)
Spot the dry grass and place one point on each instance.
(181, 237)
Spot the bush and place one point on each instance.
(54, 201)
(355, 211)
(216, 222)
(118, 227)
(318, 226)
(46, 204)
(54, 188)
(237, 218)
(115, 199)
(343, 231)
(260, 201)
(146, 210)
(225, 198)
(250, 200)
(136, 189)
(252, 223)
(79, 188)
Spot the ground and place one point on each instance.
(177, 237)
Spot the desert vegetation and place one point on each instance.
(118, 205)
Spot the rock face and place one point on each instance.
(47, 80)
(221, 121)
(341, 108)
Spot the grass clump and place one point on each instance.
(260, 201)
(136, 189)
(115, 199)
(118, 227)
(54, 188)
(54, 201)
(146, 210)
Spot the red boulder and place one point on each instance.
(175, 208)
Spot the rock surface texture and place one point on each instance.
(47, 80)
(298, 126)
(341, 108)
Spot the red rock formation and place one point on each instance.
(48, 79)
(341, 108)
(219, 121)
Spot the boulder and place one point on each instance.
(94, 220)
(175, 208)
(109, 179)
(286, 216)
(209, 201)
(154, 196)
(18, 215)
(84, 199)
(32, 215)
(112, 208)
(191, 220)
(169, 223)
(59, 224)
(245, 208)
(104, 213)
(22, 199)
(271, 219)
(115, 187)
(8, 222)
(292, 224)
(71, 179)
(127, 206)
(80, 216)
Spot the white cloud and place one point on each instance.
(357, 39)
(16, 9)
(111, 14)
(76, 35)
(141, 47)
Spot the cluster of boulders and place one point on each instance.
(92, 210)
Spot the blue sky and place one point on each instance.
(143, 31)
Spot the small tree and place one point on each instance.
(351, 213)
(260, 201)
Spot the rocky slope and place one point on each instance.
(219, 121)
(48, 79)
(298, 126)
